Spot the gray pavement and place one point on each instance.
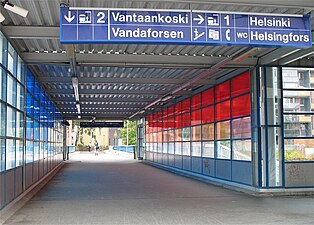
(107, 189)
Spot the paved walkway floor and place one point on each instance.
(107, 189)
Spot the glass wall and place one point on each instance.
(42, 117)
(11, 107)
(298, 106)
(43, 123)
(214, 124)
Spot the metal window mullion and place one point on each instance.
(281, 114)
(258, 127)
(266, 128)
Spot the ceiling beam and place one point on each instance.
(125, 60)
(120, 80)
(294, 57)
(280, 53)
(98, 117)
(69, 101)
(276, 55)
(99, 107)
(101, 111)
(106, 91)
(31, 32)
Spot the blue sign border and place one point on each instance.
(306, 19)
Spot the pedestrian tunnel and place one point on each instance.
(220, 91)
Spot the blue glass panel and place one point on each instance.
(42, 97)
(29, 105)
(30, 82)
(29, 128)
(36, 110)
(36, 90)
(36, 131)
(45, 133)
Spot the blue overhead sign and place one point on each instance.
(183, 27)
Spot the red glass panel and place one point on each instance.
(171, 110)
(241, 106)
(178, 121)
(171, 123)
(196, 117)
(208, 97)
(223, 110)
(159, 116)
(240, 84)
(178, 108)
(186, 105)
(196, 102)
(208, 114)
(186, 120)
(222, 91)
(153, 117)
(164, 113)
(165, 124)
(159, 126)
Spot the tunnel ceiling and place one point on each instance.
(118, 80)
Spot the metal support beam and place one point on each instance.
(131, 60)
(104, 109)
(276, 55)
(70, 101)
(31, 32)
(122, 80)
(294, 57)
(106, 91)
(280, 53)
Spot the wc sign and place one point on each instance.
(190, 27)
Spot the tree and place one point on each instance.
(132, 133)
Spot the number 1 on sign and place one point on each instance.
(227, 18)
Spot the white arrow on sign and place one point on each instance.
(200, 19)
(69, 18)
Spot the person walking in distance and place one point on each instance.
(89, 146)
(96, 147)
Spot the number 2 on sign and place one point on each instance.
(227, 18)
(101, 17)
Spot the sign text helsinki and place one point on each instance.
(183, 27)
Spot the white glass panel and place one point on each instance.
(11, 122)
(186, 148)
(19, 152)
(10, 154)
(223, 150)
(196, 148)
(209, 149)
(242, 150)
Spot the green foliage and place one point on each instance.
(294, 155)
(132, 133)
